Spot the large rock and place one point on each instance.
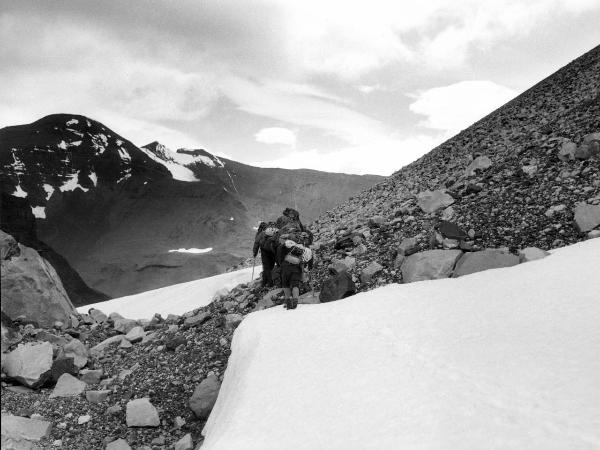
(119, 444)
(431, 201)
(136, 334)
(204, 397)
(337, 287)
(484, 260)
(197, 320)
(23, 433)
(10, 334)
(587, 217)
(124, 325)
(370, 271)
(100, 347)
(68, 386)
(31, 287)
(78, 351)
(97, 397)
(451, 230)
(141, 413)
(185, 443)
(8, 246)
(429, 265)
(30, 364)
(62, 365)
(267, 300)
(479, 163)
(233, 320)
(531, 254)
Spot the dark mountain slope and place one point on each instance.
(17, 219)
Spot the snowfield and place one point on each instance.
(175, 299)
(506, 358)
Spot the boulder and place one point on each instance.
(68, 386)
(31, 287)
(204, 397)
(78, 351)
(370, 271)
(567, 151)
(309, 298)
(61, 365)
(431, 201)
(531, 254)
(10, 334)
(97, 396)
(23, 433)
(267, 300)
(337, 287)
(429, 265)
(97, 315)
(233, 320)
(343, 265)
(119, 444)
(197, 319)
(587, 217)
(451, 230)
(185, 443)
(141, 413)
(99, 348)
(136, 334)
(484, 260)
(30, 364)
(8, 246)
(91, 376)
(408, 246)
(478, 164)
(124, 325)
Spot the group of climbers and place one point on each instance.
(285, 253)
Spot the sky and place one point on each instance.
(341, 86)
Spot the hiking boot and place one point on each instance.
(294, 303)
(287, 303)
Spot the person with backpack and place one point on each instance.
(294, 258)
(289, 222)
(266, 241)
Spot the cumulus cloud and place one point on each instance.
(380, 157)
(178, 71)
(455, 107)
(276, 135)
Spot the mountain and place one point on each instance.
(119, 213)
(265, 192)
(528, 174)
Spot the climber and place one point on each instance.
(289, 222)
(266, 241)
(295, 259)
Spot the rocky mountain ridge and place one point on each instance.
(527, 175)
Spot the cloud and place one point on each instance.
(381, 157)
(455, 107)
(276, 135)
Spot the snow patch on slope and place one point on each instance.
(19, 192)
(178, 171)
(176, 299)
(49, 190)
(39, 212)
(499, 359)
(192, 250)
(72, 183)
